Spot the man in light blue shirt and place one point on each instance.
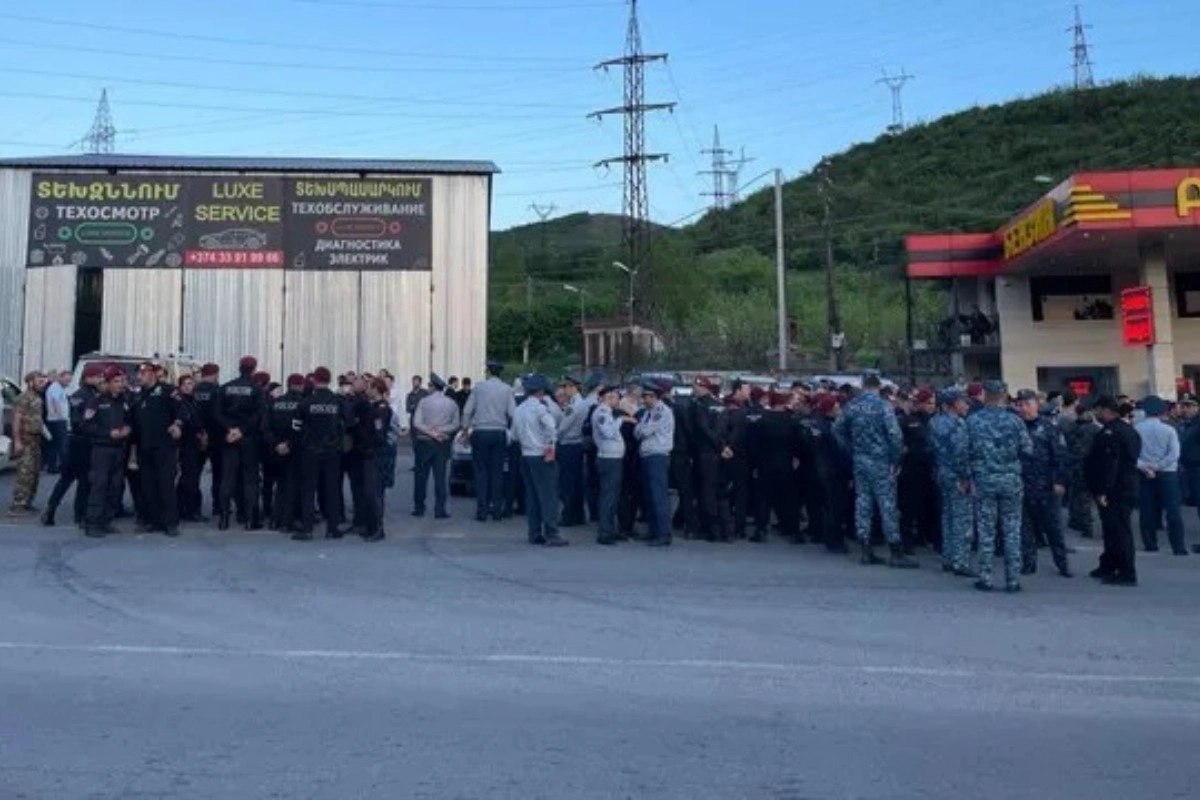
(535, 429)
(486, 419)
(656, 433)
(610, 461)
(1160, 490)
(57, 413)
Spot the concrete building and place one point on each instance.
(1068, 282)
(300, 262)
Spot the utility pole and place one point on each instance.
(101, 138)
(719, 172)
(1082, 53)
(636, 205)
(896, 84)
(780, 276)
(837, 339)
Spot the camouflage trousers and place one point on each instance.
(29, 470)
(956, 525)
(1079, 504)
(999, 505)
(875, 487)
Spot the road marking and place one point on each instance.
(719, 665)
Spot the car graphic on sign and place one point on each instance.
(234, 239)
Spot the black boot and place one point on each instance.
(223, 521)
(901, 561)
(255, 521)
(868, 556)
(48, 517)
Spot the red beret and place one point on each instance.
(209, 369)
(261, 378)
(93, 370)
(826, 403)
(322, 375)
(248, 364)
(974, 389)
(113, 372)
(923, 396)
(705, 382)
(780, 398)
(295, 379)
(757, 393)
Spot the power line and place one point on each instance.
(636, 202)
(895, 84)
(387, 4)
(1082, 53)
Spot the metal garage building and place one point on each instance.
(350, 264)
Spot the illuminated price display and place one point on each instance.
(1137, 317)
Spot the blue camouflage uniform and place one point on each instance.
(869, 432)
(996, 441)
(1044, 467)
(948, 435)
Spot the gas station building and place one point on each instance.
(1094, 286)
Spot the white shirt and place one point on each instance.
(57, 407)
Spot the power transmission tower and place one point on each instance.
(543, 213)
(735, 175)
(102, 136)
(719, 172)
(837, 340)
(636, 205)
(896, 84)
(1082, 53)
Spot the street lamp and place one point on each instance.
(582, 294)
(632, 273)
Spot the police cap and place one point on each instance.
(948, 397)
(1026, 394)
(995, 387)
(436, 381)
(535, 382)
(1189, 400)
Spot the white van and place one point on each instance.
(176, 366)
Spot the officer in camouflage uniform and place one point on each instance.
(869, 432)
(948, 439)
(27, 444)
(1079, 435)
(996, 440)
(1044, 473)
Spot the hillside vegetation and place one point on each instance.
(714, 280)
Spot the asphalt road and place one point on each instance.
(454, 661)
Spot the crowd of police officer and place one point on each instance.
(278, 453)
(951, 470)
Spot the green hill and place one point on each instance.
(967, 171)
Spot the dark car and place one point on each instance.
(462, 468)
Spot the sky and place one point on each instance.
(512, 81)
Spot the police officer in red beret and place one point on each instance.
(207, 389)
(239, 413)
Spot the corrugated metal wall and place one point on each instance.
(231, 313)
(14, 225)
(460, 251)
(49, 318)
(141, 311)
(396, 314)
(409, 322)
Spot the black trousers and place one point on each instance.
(705, 471)
(320, 472)
(1116, 523)
(74, 471)
(489, 449)
(777, 492)
(686, 517)
(735, 481)
(370, 494)
(157, 467)
(570, 484)
(432, 457)
(514, 482)
(241, 475)
(105, 478)
(591, 482)
(287, 485)
(188, 495)
(272, 476)
(631, 493)
(917, 497)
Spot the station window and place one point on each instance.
(1063, 298)
(1187, 294)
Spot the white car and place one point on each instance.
(9, 392)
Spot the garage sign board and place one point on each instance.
(230, 221)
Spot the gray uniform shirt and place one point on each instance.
(606, 433)
(656, 431)
(436, 413)
(490, 407)
(570, 426)
(533, 427)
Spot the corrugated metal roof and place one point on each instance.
(249, 164)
